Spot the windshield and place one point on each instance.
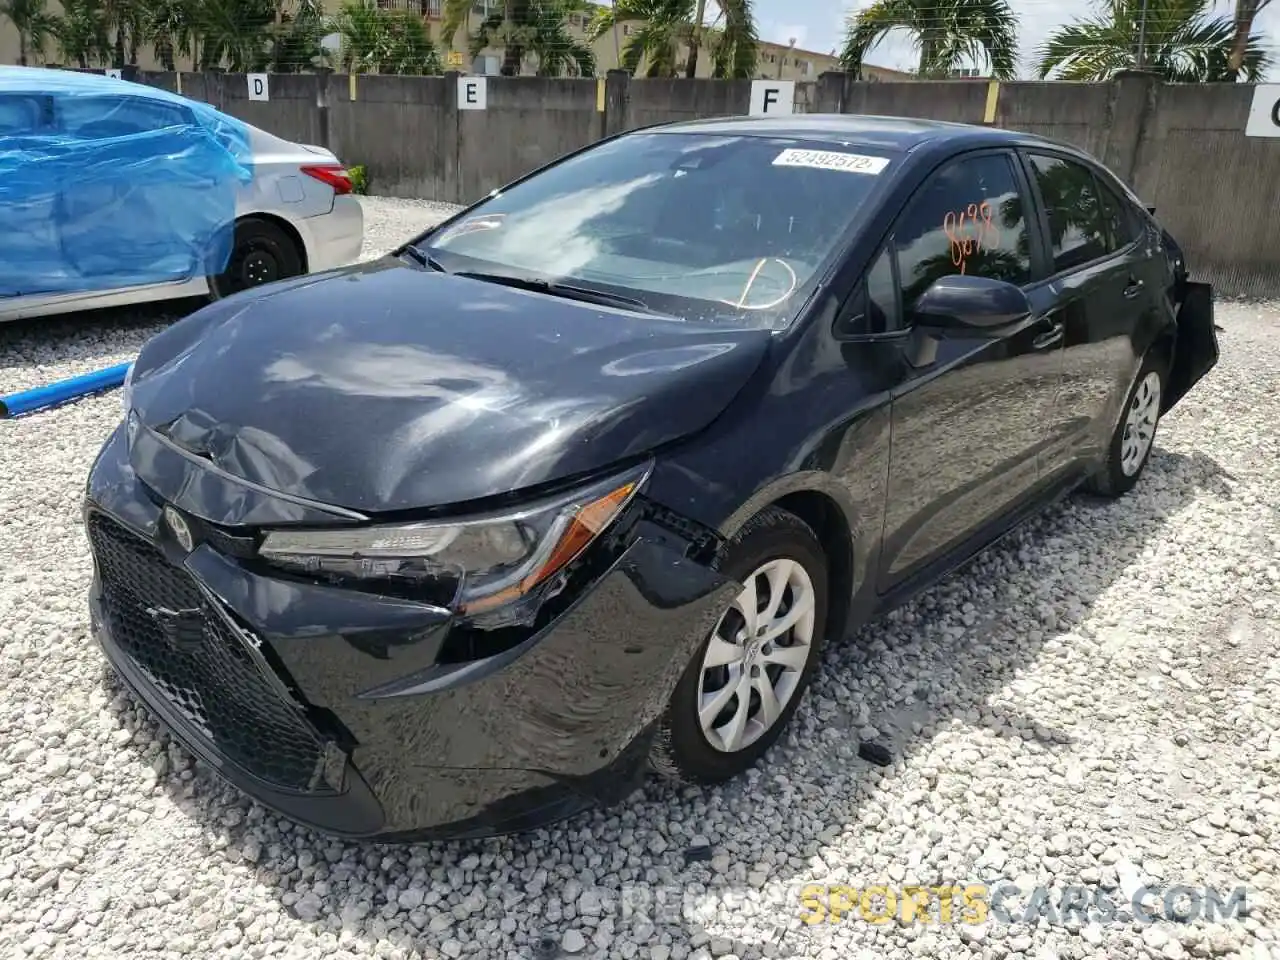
(706, 228)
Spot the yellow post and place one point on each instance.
(599, 94)
(177, 79)
(993, 95)
(351, 85)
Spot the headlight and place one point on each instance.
(483, 562)
(126, 390)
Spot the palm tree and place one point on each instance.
(296, 36)
(123, 20)
(82, 32)
(695, 38)
(385, 41)
(34, 25)
(559, 52)
(1184, 43)
(948, 33)
(168, 28)
(455, 14)
(655, 41)
(235, 32)
(513, 28)
(540, 31)
(1245, 14)
(406, 46)
(359, 23)
(737, 49)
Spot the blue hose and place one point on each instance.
(25, 401)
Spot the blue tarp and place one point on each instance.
(106, 183)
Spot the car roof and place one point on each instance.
(890, 133)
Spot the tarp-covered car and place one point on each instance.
(114, 192)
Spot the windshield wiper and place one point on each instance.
(568, 291)
(425, 259)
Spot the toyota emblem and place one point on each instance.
(181, 532)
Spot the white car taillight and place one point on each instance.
(333, 174)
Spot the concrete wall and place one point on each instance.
(1180, 147)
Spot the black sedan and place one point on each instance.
(576, 484)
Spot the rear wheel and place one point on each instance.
(1135, 434)
(261, 252)
(746, 680)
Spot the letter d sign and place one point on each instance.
(772, 97)
(258, 87)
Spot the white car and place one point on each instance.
(297, 214)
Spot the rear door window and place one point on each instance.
(1073, 208)
(1118, 219)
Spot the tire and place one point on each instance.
(261, 252)
(681, 750)
(1139, 421)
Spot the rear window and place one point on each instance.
(721, 228)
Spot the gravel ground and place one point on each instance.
(1093, 703)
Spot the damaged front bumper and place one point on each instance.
(330, 706)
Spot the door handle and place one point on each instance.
(1050, 337)
(1133, 289)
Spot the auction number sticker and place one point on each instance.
(831, 160)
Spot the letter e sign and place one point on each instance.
(258, 87)
(1264, 113)
(473, 93)
(771, 97)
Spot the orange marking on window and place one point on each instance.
(969, 231)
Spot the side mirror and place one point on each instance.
(969, 303)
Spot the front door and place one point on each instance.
(966, 427)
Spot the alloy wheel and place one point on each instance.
(1140, 424)
(756, 656)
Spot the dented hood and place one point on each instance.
(387, 387)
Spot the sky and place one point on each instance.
(818, 25)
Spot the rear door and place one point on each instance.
(1099, 289)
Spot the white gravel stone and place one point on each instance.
(1094, 701)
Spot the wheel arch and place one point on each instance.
(824, 517)
(824, 505)
(289, 229)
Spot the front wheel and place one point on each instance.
(746, 680)
(261, 252)
(1130, 446)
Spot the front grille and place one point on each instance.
(168, 629)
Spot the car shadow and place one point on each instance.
(912, 690)
(112, 335)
